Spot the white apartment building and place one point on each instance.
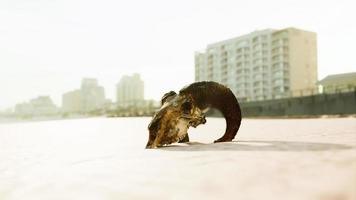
(263, 64)
(130, 91)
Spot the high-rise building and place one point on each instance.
(264, 64)
(130, 91)
(88, 98)
(72, 101)
(92, 95)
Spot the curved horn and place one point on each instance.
(212, 94)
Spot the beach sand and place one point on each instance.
(105, 158)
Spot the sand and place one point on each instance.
(104, 158)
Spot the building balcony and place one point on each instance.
(223, 61)
(279, 60)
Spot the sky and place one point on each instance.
(48, 46)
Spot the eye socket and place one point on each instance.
(186, 107)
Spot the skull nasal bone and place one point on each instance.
(153, 126)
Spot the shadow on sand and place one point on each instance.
(253, 145)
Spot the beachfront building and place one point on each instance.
(264, 64)
(339, 82)
(130, 91)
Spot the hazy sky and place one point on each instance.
(48, 46)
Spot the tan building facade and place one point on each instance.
(261, 65)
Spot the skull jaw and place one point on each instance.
(171, 124)
(175, 133)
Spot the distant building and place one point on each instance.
(92, 95)
(109, 105)
(339, 82)
(130, 91)
(7, 112)
(23, 109)
(89, 97)
(263, 64)
(72, 101)
(40, 106)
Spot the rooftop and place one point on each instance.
(336, 78)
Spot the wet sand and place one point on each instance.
(104, 158)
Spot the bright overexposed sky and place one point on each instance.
(48, 46)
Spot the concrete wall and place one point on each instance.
(322, 104)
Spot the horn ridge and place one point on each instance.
(215, 95)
